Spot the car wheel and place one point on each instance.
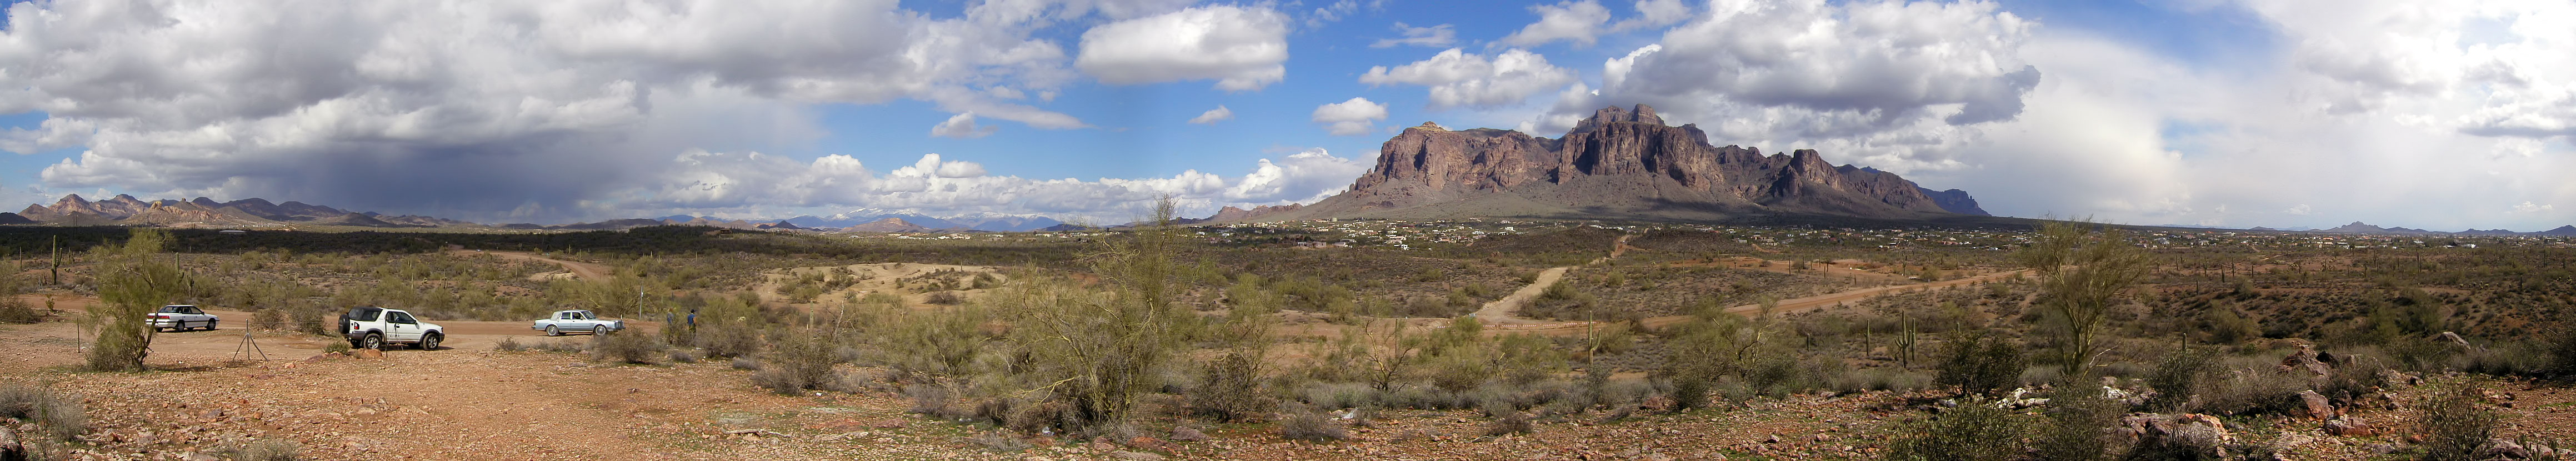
(551, 331)
(430, 343)
(596, 330)
(372, 341)
(210, 325)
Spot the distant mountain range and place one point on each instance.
(2359, 228)
(125, 210)
(1618, 164)
(981, 222)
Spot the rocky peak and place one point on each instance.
(1620, 161)
(1613, 114)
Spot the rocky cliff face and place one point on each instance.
(1619, 163)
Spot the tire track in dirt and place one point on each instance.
(1783, 307)
(587, 271)
(1507, 311)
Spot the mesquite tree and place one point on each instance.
(2084, 269)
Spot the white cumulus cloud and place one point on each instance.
(1352, 117)
(1219, 114)
(756, 184)
(1580, 22)
(1458, 79)
(961, 125)
(486, 105)
(1241, 48)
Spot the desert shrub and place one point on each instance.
(269, 319)
(336, 347)
(1312, 426)
(1339, 395)
(745, 363)
(801, 360)
(2177, 379)
(2455, 427)
(1982, 365)
(132, 283)
(2506, 358)
(2253, 391)
(943, 298)
(2354, 376)
(1880, 379)
(729, 339)
(625, 348)
(683, 356)
(1230, 391)
(1690, 391)
(2077, 423)
(1974, 431)
(267, 450)
(1510, 423)
(60, 415)
(508, 344)
(13, 311)
(2562, 354)
(935, 400)
(998, 441)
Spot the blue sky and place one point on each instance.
(2281, 113)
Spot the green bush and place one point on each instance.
(2177, 379)
(625, 348)
(1973, 431)
(2077, 423)
(2253, 391)
(269, 319)
(800, 361)
(1983, 366)
(60, 415)
(2454, 426)
(13, 311)
(1231, 391)
(729, 339)
(1312, 426)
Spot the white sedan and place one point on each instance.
(181, 317)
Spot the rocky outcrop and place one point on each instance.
(1618, 163)
(1955, 201)
(1232, 214)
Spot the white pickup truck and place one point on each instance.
(576, 320)
(373, 327)
(180, 317)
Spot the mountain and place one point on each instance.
(979, 221)
(2567, 230)
(886, 225)
(125, 210)
(14, 218)
(1232, 214)
(1955, 201)
(1618, 163)
(783, 225)
(2358, 228)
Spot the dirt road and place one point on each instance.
(1507, 311)
(587, 271)
(1783, 307)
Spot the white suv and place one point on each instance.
(373, 327)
